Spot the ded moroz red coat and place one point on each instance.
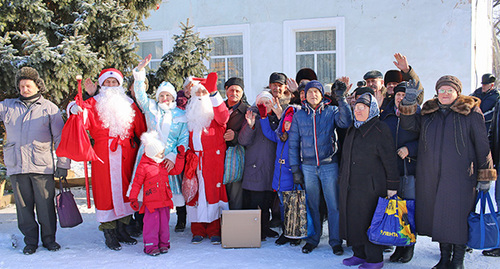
(111, 178)
(211, 197)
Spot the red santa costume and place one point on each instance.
(112, 119)
(207, 118)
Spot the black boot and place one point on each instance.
(282, 240)
(111, 240)
(398, 253)
(458, 257)
(407, 254)
(445, 260)
(122, 234)
(132, 228)
(181, 219)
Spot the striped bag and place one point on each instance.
(234, 164)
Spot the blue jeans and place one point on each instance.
(325, 177)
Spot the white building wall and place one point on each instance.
(434, 35)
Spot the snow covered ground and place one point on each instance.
(83, 247)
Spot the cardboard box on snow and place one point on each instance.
(240, 228)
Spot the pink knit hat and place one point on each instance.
(288, 117)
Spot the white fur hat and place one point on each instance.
(166, 87)
(152, 145)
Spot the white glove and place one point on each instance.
(391, 193)
(75, 109)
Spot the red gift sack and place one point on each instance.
(190, 180)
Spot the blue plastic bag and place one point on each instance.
(393, 223)
(484, 229)
(234, 164)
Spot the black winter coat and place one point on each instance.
(453, 153)
(236, 121)
(368, 169)
(402, 138)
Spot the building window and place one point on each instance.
(156, 43)
(155, 48)
(317, 44)
(230, 53)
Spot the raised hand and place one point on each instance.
(346, 81)
(412, 92)
(401, 62)
(250, 117)
(90, 87)
(292, 84)
(144, 62)
(340, 88)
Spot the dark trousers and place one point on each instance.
(235, 195)
(262, 200)
(370, 252)
(30, 191)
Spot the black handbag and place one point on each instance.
(67, 210)
(406, 185)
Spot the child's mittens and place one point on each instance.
(134, 204)
(181, 151)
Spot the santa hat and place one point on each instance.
(110, 73)
(166, 87)
(152, 144)
(210, 83)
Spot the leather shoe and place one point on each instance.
(338, 250)
(492, 252)
(307, 248)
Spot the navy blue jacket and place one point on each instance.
(488, 102)
(312, 139)
(402, 138)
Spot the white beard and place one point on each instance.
(199, 113)
(115, 111)
(166, 107)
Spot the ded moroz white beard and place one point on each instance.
(199, 113)
(115, 110)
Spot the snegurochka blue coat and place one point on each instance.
(312, 138)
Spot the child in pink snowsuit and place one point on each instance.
(157, 201)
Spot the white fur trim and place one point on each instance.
(110, 74)
(203, 211)
(139, 75)
(216, 100)
(166, 87)
(178, 200)
(197, 146)
(171, 156)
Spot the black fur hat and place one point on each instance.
(32, 74)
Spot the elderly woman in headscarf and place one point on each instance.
(368, 171)
(163, 116)
(453, 156)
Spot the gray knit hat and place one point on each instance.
(31, 74)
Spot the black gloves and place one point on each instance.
(412, 93)
(60, 172)
(340, 89)
(298, 177)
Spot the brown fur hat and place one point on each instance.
(32, 74)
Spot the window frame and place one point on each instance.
(231, 30)
(291, 27)
(152, 36)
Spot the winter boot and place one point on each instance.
(122, 234)
(111, 240)
(458, 257)
(398, 253)
(444, 262)
(181, 219)
(282, 240)
(133, 229)
(407, 254)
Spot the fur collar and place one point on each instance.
(463, 105)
